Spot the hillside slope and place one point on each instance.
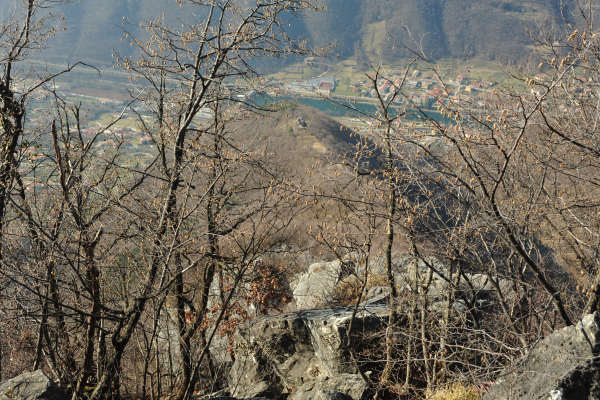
(368, 29)
(300, 136)
(445, 28)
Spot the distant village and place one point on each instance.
(422, 88)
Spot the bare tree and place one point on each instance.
(190, 72)
(516, 173)
(23, 37)
(96, 238)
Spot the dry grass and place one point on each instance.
(346, 291)
(456, 391)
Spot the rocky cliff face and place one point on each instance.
(301, 355)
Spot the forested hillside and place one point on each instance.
(446, 28)
(375, 29)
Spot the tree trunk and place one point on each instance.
(40, 339)
(11, 118)
(93, 282)
(593, 303)
(391, 213)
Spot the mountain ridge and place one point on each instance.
(369, 30)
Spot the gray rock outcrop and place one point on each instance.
(31, 386)
(302, 355)
(316, 287)
(563, 366)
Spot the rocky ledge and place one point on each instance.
(301, 355)
(304, 356)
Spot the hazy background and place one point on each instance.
(366, 29)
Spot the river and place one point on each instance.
(338, 107)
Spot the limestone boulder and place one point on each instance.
(32, 386)
(314, 288)
(563, 366)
